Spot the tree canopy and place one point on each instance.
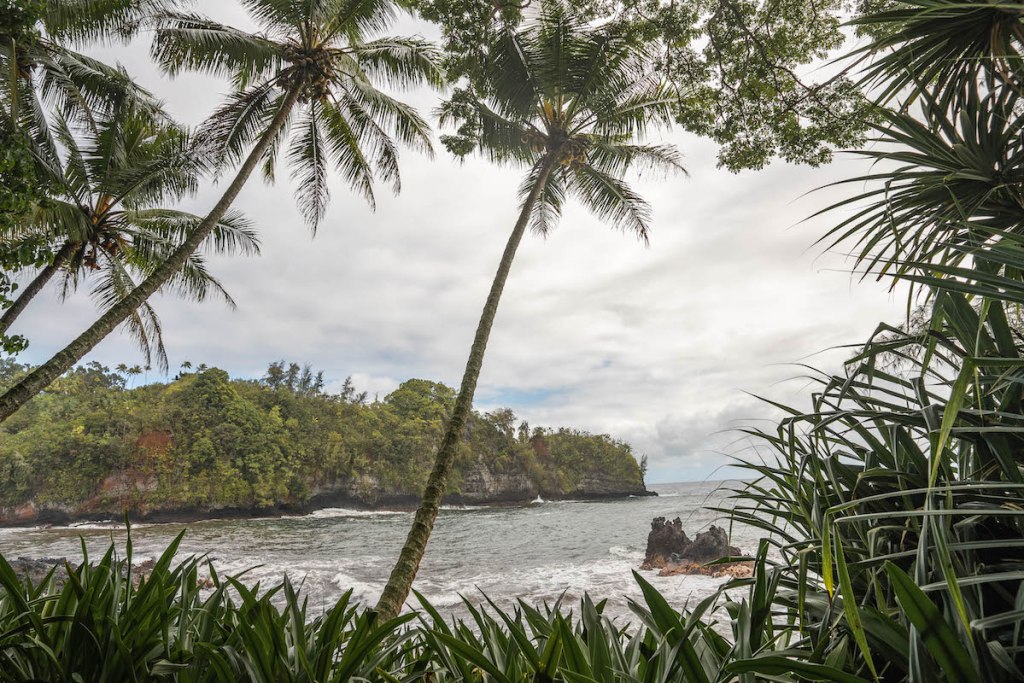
(205, 441)
(747, 74)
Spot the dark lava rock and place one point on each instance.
(36, 570)
(668, 544)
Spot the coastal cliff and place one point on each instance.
(205, 445)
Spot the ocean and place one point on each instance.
(536, 552)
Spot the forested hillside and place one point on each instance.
(92, 445)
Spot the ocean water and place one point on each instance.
(535, 552)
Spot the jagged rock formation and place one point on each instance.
(669, 548)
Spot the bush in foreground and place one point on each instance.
(107, 622)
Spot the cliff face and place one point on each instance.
(480, 485)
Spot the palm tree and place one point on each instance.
(566, 101)
(109, 216)
(40, 67)
(313, 65)
(42, 74)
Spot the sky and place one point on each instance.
(665, 347)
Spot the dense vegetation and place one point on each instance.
(108, 623)
(896, 504)
(206, 441)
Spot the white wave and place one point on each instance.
(15, 530)
(331, 513)
(362, 591)
(465, 507)
(610, 579)
(537, 501)
(626, 553)
(100, 526)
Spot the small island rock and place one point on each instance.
(671, 550)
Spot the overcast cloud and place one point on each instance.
(657, 346)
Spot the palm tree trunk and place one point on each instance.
(400, 582)
(36, 286)
(40, 378)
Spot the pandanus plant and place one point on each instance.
(567, 101)
(109, 217)
(308, 81)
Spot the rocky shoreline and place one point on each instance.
(31, 516)
(35, 570)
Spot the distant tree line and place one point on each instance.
(207, 440)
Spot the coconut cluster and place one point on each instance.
(568, 152)
(537, 142)
(572, 152)
(107, 243)
(311, 72)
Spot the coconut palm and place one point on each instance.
(42, 74)
(41, 70)
(567, 101)
(315, 67)
(110, 217)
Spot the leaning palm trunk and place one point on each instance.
(400, 582)
(36, 286)
(60, 363)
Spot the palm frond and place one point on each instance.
(192, 42)
(100, 20)
(392, 117)
(343, 143)
(143, 325)
(307, 154)
(238, 123)
(547, 209)
(944, 178)
(79, 85)
(378, 148)
(610, 199)
(617, 159)
(161, 230)
(942, 47)
(400, 62)
(353, 21)
(516, 88)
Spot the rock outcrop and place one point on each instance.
(35, 571)
(671, 550)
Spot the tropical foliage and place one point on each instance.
(204, 441)
(326, 60)
(315, 64)
(110, 222)
(896, 500)
(739, 69)
(893, 506)
(43, 73)
(108, 621)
